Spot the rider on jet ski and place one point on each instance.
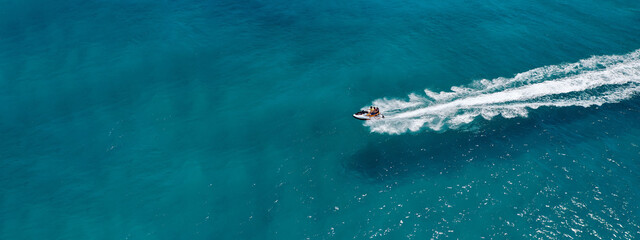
(373, 111)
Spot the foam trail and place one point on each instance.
(593, 81)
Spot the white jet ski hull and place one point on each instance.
(366, 117)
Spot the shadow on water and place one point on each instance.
(433, 153)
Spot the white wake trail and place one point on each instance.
(593, 81)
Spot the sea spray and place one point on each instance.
(593, 81)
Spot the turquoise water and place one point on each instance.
(232, 119)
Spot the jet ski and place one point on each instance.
(371, 114)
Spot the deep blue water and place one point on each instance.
(231, 119)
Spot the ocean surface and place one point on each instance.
(231, 119)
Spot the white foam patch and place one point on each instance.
(593, 81)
